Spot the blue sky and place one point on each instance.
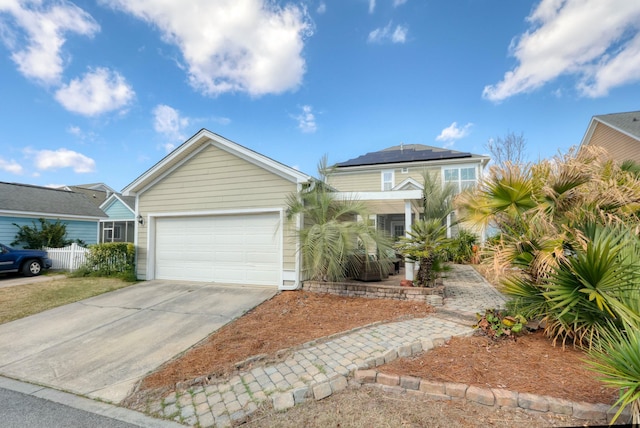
(99, 91)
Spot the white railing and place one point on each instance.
(68, 258)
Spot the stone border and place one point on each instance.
(429, 295)
(492, 397)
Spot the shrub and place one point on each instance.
(111, 259)
(49, 234)
(461, 248)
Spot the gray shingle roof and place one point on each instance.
(26, 198)
(627, 122)
(404, 153)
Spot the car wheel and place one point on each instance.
(32, 268)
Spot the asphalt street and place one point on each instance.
(21, 410)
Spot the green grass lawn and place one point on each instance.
(23, 300)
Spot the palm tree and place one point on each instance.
(333, 230)
(425, 241)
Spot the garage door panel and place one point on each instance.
(242, 249)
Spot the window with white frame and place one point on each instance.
(462, 178)
(387, 179)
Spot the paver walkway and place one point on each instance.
(320, 368)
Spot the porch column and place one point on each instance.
(408, 264)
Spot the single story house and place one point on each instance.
(23, 204)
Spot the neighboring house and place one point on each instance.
(213, 210)
(120, 210)
(390, 181)
(120, 226)
(618, 133)
(23, 204)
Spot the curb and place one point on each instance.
(491, 397)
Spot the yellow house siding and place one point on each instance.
(366, 181)
(215, 180)
(620, 146)
(371, 181)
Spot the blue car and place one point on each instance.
(29, 262)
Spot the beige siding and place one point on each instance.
(366, 181)
(371, 181)
(215, 180)
(621, 147)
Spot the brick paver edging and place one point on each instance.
(497, 397)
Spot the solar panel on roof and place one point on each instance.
(405, 155)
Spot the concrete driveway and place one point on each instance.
(100, 347)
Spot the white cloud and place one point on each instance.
(61, 158)
(252, 46)
(397, 3)
(453, 132)
(98, 91)
(168, 122)
(322, 8)
(35, 32)
(372, 6)
(306, 120)
(388, 33)
(11, 166)
(596, 41)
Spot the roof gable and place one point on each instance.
(195, 144)
(404, 153)
(126, 203)
(626, 123)
(36, 200)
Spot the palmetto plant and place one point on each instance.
(616, 359)
(548, 215)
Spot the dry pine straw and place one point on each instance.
(529, 364)
(292, 318)
(289, 319)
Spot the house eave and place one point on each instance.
(483, 160)
(60, 216)
(194, 144)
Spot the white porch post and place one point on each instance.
(408, 264)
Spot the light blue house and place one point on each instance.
(23, 204)
(120, 225)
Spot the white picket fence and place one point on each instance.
(68, 258)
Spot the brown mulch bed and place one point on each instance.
(529, 364)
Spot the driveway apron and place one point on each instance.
(100, 347)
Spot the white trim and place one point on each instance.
(7, 213)
(389, 195)
(151, 218)
(383, 181)
(394, 223)
(406, 181)
(206, 138)
(115, 196)
(475, 159)
(592, 128)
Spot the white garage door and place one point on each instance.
(239, 249)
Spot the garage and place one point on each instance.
(232, 249)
